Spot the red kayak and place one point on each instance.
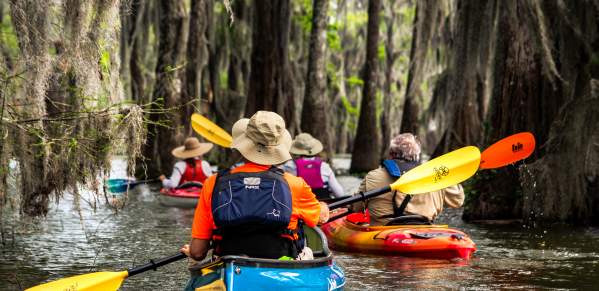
(425, 241)
(180, 197)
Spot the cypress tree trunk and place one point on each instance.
(366, 152)
(314, 113)
(468, 75)
(197, 53)
(270, 85)
(542, 84)
(164, 131)
(425, 22)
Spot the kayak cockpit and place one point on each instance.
(245, 273)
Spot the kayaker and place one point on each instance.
(255, 209)
(308, 165)
(404, 154)
(191, 167)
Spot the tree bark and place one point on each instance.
(531, 92)
(314, 113)
(197, 53)
(365, 155)
(425, 22)
(390, 57)
(164, 130)
(468, 65)
(270, 85)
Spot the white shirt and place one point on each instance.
(178, 171)
(326, 173)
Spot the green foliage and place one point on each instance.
(381, 52)
(356, 20)
(303, 14)
(379, 104)
(352, 110)
(353, 81)
(8, 38)
(333, 39)
(105, 62)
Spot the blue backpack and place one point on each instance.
(253, 199)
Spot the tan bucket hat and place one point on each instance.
(264, 139)
(239, 127)
(305, 144)
(192, 147)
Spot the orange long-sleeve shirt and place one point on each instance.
(304, 203)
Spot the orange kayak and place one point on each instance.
(426, 241)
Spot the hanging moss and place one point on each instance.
(64, 118)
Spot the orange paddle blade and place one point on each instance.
(508, 150)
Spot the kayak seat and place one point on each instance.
(409, 220)
(316, 240)
(189, 185)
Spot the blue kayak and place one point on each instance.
(244, 273)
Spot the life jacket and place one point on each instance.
(252, 212)
(395, 169)
(193, 172)
(309, 170)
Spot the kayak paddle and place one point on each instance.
(508, 151)
(439, 173)
(103, 281)
(122, 185)
(210, 131)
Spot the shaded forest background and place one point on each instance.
(82, 80)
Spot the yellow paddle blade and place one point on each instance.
(99, 281)
(439, 173)
(210, 131)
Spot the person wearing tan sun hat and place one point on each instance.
(316, 172)
(191, 167)
(255, 209)
(404, 154)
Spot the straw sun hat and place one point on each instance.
(262, 139)
(192, 147)
(305, 144)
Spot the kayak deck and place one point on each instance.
(427, 241)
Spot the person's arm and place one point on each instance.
(175, 178)
(360, 206)
(198, 248)
(206, 168)
(290, 167)
(203, 223)
(333, 184)
(453, 196)
(309, 207)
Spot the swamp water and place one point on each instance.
(68, 242)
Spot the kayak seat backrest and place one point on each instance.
(409, 220)
(316, 240)
(189, 185)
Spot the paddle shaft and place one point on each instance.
(143, 181)
(152, 265)
(359, 197)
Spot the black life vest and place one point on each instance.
(252, 212)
